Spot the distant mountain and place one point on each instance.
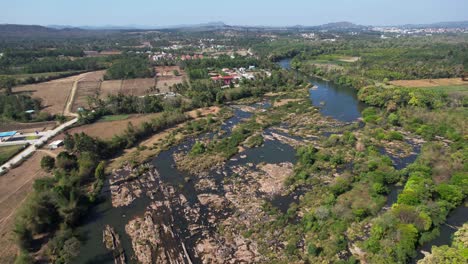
(13, 31)
(340, 26)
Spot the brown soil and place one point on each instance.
(106, 130)
(429, 82)
(166, 78)
(28, 127)
(285, 101)
(138, 87)
(204, 111)
(84, 90)
(53, 94)
(111, 87)
(14, 188)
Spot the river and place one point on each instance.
(335, 101)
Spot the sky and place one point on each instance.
(232, 12)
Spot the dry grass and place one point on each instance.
(430, 82)
(54, 94)
(285, 102)
(108, 129)
(112, 87)
(84, 90)
(28, 127)
(166, 78)
(138, 87)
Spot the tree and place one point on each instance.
(99, 173)
(47, 163)
(65, 161)
(7, 83)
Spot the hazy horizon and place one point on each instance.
(242, 12)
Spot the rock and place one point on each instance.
(111, 241)
(276, 174)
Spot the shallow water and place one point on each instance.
(334, 100)
(93, 249)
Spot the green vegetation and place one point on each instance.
(7, 152)
(47, 163)
(59, 202)
(129, 68)
(254, 141)
(455, 253)
(380, 60)
(109, 118)
(204, 156)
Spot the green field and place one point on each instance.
(450, 89)
(109, 118)
(332, 59)
(8, 152)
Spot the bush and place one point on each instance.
(47, 163)
(451, 193)
(197, 149)
(65, 161)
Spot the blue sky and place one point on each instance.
(235, 12)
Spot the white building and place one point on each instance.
(56, 144)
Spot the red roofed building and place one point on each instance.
(227, 80)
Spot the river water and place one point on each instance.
(336, 101)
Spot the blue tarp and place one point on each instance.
(7, 134)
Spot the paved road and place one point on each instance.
(29, 150)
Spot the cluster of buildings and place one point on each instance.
(418, 31)
(308, 35)
(161, 56)
(231, 75)
(158, 56)
(193, 57)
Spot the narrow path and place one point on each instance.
(50, 153)
(71, 98)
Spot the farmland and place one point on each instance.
(53, 94)
(88, 85)
(6, 152)
(28, 127)
(107, 129)
(166, 77)
(430, 82)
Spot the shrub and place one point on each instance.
(47, 163)
(451, 193)
(197, 149)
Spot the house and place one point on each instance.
(226, 80)
(56, 144)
